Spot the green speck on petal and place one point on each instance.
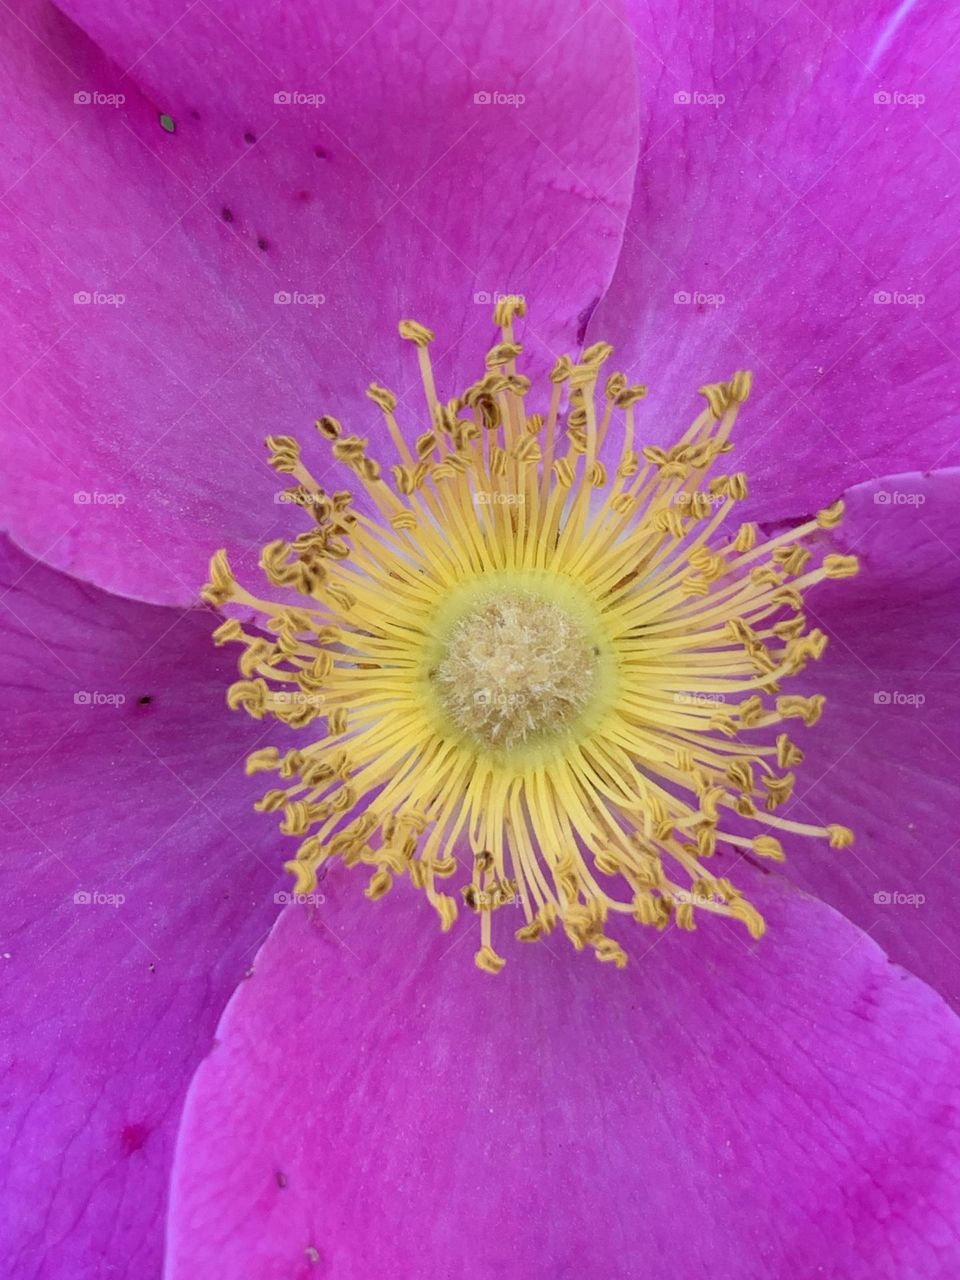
(168, 123)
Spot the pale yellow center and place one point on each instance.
(517, 669)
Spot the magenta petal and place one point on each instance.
(108, 1005)
(885, 757)
(803, 227)
(377, 1107)
(398, 196)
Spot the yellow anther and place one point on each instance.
(284, 453)
(561, 370)
(806, 709)
(841, 566)
(381, 396)
(488, 960)
(329, 427)
(507, 308)
(381, 882)
(630, 396)
(722, 396)
(831, 516)
(597, 354)
(746, 538)
(416, 333)
(616, 383)
(502, 354)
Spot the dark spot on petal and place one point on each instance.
(754, 863)
(281, 1179)
(133, 1137)
(167, 122)
(304, 196)
(583, 319)
(195, 115)
(226, 214)
(320, 153)
(249, 138)
(146, 699)
(263, 244)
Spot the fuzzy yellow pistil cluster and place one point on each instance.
(517, 669)
(549, 675)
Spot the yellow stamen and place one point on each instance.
(547, 676)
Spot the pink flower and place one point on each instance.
(218, 257)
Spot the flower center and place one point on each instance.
(518, 669)
(548, 669)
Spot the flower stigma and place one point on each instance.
(545, 665)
